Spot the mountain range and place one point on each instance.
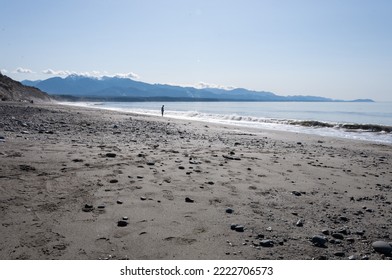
(76, 87)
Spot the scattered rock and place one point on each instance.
(113, 181)
(229, 210)
(337, 236)
(120, 202)
(88, 208)
(189, 200)
(296, 193)
(122, 223)
(143, 198)
(239, 228)
(325, 231)
(300, 223)
(339, 254)
(319, 240)
(233, 226)
(101, 206)
(382, 247)
(150, 163)
(111, 155)
(125, 218)
(266, 243)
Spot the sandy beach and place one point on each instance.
(80, 183)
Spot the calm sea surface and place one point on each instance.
(321, 118)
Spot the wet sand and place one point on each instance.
(80, 183)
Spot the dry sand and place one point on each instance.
(284, 188)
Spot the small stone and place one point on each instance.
(229, 210)
(122, 223)
(382, 247)
(269, 228)
(296, 193)
(120, 202)
(300, 223)
(266, 243)
(150, 163)
(181, 167)
(339, 254)
(233, 226)
(125, 218)
(111, 155)
(101, 206)
(143, 198)
(337, 236)
(325, 231)
(189, 200)
(88, 206)
(344, 218)
(239, 228)
(319, 240)
(113, 181)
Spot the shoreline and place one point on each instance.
(70, 174)
(376, 133)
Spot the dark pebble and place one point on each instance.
(119, 202)
(300, 223)
(239, 228)
(122, 223)
(319, 240)
(113, 181)
(325, 231)
(229, 210)
(150, 163)
(266, 243)
(143, 198)
(88, 206)
(382, 247)
(111, 155)
(101, 206)
(337, 236)
(189, 200)
(233, 226)
(296, 193)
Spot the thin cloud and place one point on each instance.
(58, 72)
(22, 70)
(202, 85)
(130, 75)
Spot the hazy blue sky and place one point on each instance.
(334, 48)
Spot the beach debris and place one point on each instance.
(382, 247)
(319, 240)
(266, 243)
(111, 155)
(189, 200)
(229, 210)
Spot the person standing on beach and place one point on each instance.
(163, 109)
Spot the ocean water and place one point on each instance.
(361, 121)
